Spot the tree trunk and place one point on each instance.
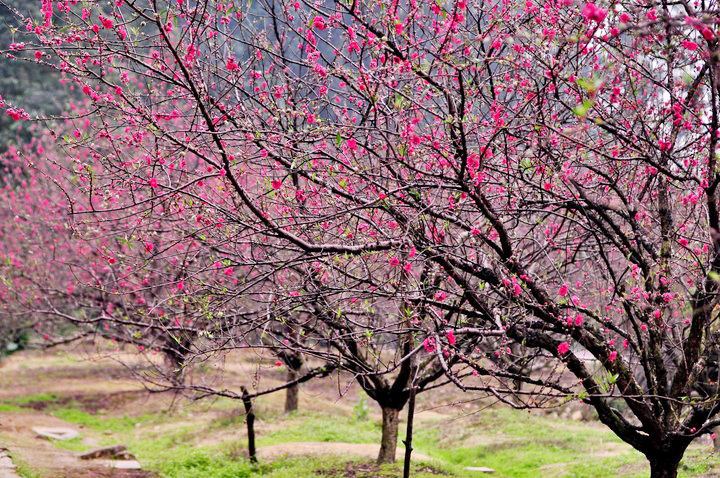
(292, 394)
(388, 445)
(409, 434)
(664, 467)
(250, 421)
(174, 370)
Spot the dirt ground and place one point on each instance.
(102, 381)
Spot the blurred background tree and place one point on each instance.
(23, 81)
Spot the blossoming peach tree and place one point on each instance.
(537, 179)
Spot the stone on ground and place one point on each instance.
(7, 468)
(116, 452)
(479, 469)
(120, 464)
(56, 433)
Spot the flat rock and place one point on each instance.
(121, 464)
(116, 452)
(5, 462)
(479, 469)
(7, 468)
(56, 433)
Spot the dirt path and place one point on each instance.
(25, 446)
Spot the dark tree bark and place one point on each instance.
(175, 366)
(388, 443)
(664, 465)
(250, 420)
(409, 434)
(292, 394)
(661, 469)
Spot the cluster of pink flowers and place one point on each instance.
(592, 12)
(17, 114)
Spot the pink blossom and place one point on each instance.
(689, 45)
(394, 261)
(665, 145)
(563, 290)
(106, 22)
(429, 344)
(17, 114)
(563, 348)
(451, 337)
(319, 23)
(593, 13)
(613, 356)
(276, 183)
(231, 64)
(153, 182)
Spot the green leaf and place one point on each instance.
(526, 164)
(582, 109)
(591, 85)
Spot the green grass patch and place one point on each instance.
(522, 445)
(191, 463)
(99, 423)
(74, 444)
(23, 469)
(323, 428)
(516, 444)
(35, 398)
(7, 408)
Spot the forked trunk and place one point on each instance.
(292, 394)
(388, 445)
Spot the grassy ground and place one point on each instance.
(181, 439)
